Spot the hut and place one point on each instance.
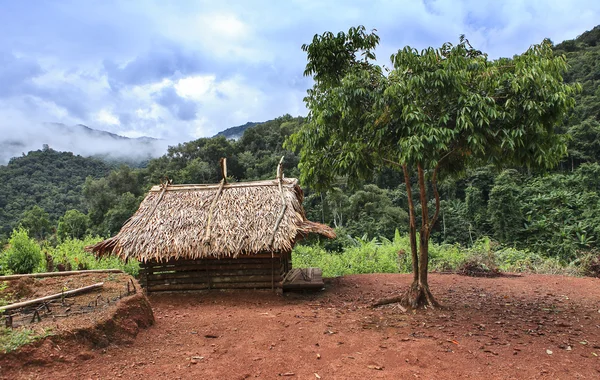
(218, 236)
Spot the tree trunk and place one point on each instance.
(421, 296)
(418, 294)
(412, 229)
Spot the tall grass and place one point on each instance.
(361, 256)
(72, 251)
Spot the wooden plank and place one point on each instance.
(261, 260)
(215, 262)
(196, 268)
(203, 274)
(58, 274)
(214, 280)
(180, 287)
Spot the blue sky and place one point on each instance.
(180, 70)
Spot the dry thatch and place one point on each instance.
(214, 221)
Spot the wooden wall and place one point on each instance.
(245, 272)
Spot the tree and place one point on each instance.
(123, 209)
(37, 222)
(435, 112)
(503, 207)
(73, 224)
(99, 198)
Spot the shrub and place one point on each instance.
(23, 254)
(71, 253)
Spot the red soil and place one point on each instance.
(525, 327)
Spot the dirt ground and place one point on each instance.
(511, 327)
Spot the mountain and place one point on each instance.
(234, 133)
(82, 140)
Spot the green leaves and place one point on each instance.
(23, 254)
(331, 57)
(449, 104)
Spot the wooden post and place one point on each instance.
(149, 272)
(223, 163)
(144, 276)
(283, 202)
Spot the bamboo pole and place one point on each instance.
(223, 162)
(58, 274)
(283, 202)
(211, 211)
(282, 212)
(52, 297)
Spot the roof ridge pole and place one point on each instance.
(283, 202)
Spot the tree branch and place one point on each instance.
(393, 162)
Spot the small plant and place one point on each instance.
(23, 254)
(12, 339)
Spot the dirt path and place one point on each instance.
(500, 328)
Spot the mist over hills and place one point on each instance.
(81, 140)
(88, 142)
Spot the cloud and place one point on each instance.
(182, 108)
(187, 69)
(16, 74)
(163, 61)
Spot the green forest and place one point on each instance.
(516, 218)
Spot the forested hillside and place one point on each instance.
(45, 178)
(583, 56)
(553, 213)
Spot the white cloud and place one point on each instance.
(195, 87)
(224, 25)
(106, 117)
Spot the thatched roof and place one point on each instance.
(199, 221)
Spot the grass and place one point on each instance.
(393, 256)
(72, 251)
(12, 339)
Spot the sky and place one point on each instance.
(180, 70)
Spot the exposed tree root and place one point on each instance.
(416, 297)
